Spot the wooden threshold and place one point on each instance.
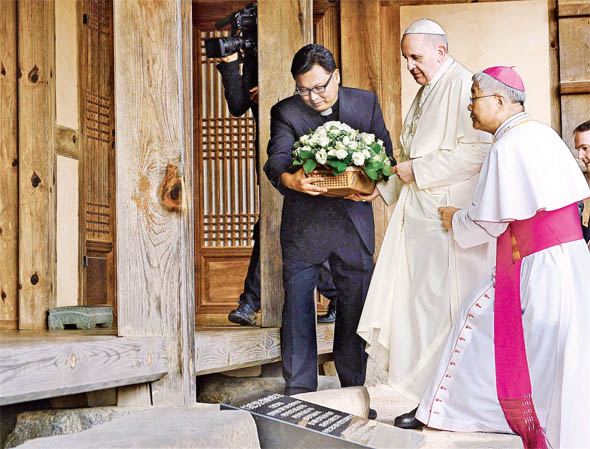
(49, 364)
(219, 349)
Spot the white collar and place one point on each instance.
(441, 71)
(509, 123)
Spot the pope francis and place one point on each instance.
(422, 275)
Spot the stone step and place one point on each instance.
(161, 428)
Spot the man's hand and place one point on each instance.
(446, 215)
(363, 198)
(302, 183)
(254, 94)
(404, 171)
(228, 58)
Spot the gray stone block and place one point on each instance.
(217, 388)
(353, 400)
(162, 428)
(80, 317)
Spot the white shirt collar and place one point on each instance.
(441, 71)
(509, 123)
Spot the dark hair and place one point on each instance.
(582, 127)
(310, 55)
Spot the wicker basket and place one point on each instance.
(353, 180)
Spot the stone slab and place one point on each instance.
(353, 400)
(80, 317)
(162, 428)
(290, 422)
(217, 388)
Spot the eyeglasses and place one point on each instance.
(472, 99)
(303, 91)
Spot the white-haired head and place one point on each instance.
(489, 85)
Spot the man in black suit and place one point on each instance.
(241, 94)
(315, 228)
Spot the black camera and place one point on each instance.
(244, 20)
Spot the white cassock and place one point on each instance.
(421, 275)
(529, 168)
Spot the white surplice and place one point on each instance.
(529, 168)
(421, 275)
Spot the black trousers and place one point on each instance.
(251, 293)
(351, 266)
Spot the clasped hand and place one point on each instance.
(446, 215)
(302, 183)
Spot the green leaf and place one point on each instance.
(372, 173)
(309, 165)
(305, 155)
(376, 147)
(377, 165)
(297, 162)
(387, 170)
(339, 166)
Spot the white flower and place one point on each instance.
(306, 148)
(321, 156)
(367, 154)
(345, 127)
(353, 145)
(368, 138)
(332, 152)
(313, 140)
(324, 141)
(340, 146)
(332, 123)
(380, 142)
(341, 154)
(358, 158)
(304, 139)
(297, 151)
(335, 131)
(346, 140)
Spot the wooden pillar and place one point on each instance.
(574, 64)
(371, 60)
(285, 30)
(155, 224)
(36, 161)
(8, 168)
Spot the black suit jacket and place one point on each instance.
(290, 119)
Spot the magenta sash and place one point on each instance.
(522, 238)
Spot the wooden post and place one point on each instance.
(370, 60)
(155, 253)
(8, 168)
(36, 161)
(285, 30)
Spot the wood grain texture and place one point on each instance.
(36, 367)
(554, 65)
(574, 49)
(8, 168)
(219, 349)
(153, 110)
(66, 142)
(283, 35)
(575, 110)
(574, 87)
(573, 8)
(37, 161)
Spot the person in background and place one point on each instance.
(582, 145)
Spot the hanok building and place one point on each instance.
(124, 180)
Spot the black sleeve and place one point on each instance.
(235, 87)
(280, 148)
(380, 130)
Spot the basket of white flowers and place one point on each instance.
(350, 161)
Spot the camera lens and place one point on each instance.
(219, 47)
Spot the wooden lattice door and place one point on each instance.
(97, 167)
(226, 198)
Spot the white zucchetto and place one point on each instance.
(425, 26)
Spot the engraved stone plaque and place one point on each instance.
(286, 422)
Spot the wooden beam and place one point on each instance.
(8, 168)
(282, 32)
(36, 127)
(222, 349)
(555, 103)
(37, 367)
(574, 87)
(66, 142)
(573, 9)
(155, 253)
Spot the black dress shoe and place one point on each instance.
(330, 315)
(408, 420)
(372, 413)
(244, 315)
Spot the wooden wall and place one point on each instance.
(574, 64)
(285, 30)
(8, 168)
(371, 60)
(155, 235)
